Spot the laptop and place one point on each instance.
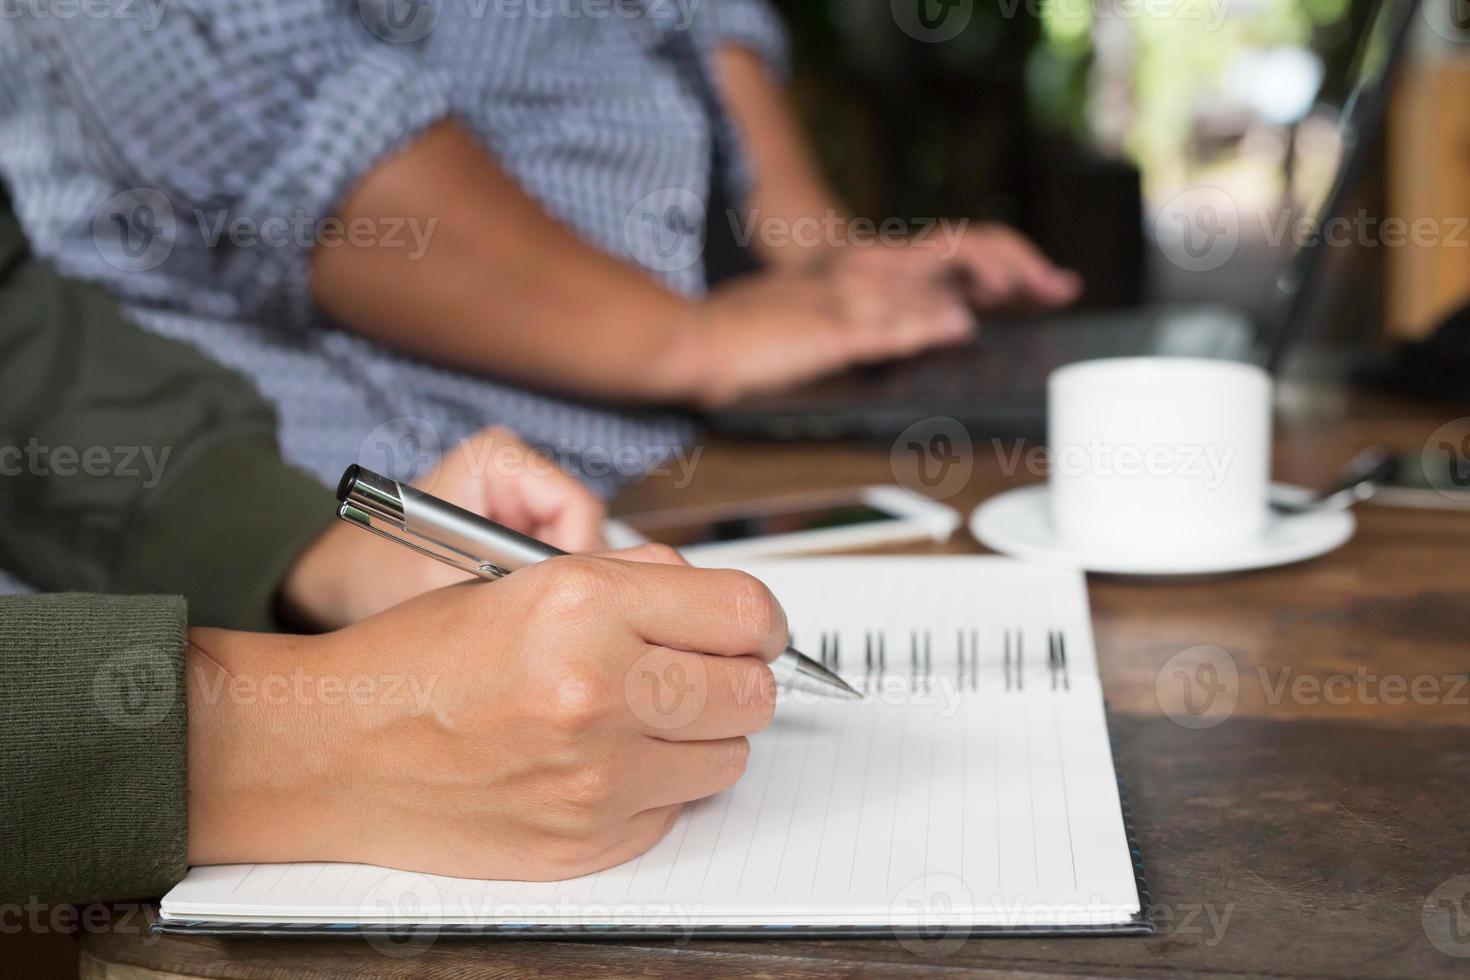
(996, 387)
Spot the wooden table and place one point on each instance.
(1302, 835)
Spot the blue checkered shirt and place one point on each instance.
(131, 131)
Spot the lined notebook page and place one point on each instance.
(974, 785)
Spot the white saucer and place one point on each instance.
(1018, 523)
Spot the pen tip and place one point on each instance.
(823, 681)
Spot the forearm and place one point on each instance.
(289, 739)
(498, 286)
(256, 750)
(789, 185)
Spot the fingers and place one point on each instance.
(495, 474)
(578, 529)
(1006, 268)
(544, 499)
(506, 498)
(570, 517)
(991, 282)
(682, 772)
(893, 306)
(683, 697)
(641, 832)
(703, 610)
(936, 318)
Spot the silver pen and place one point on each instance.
(481, 547)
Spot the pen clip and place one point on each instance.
(393, 531)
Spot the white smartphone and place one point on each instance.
(795, 524)
(1427, 482)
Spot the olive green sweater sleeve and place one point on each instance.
(130, 463)
(93, 747)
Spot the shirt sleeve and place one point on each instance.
(93, 747)
(132, 463)
(251, 119)
(754, 24)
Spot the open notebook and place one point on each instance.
(973, 789)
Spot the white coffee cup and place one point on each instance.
(1159, 456)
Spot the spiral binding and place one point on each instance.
(967, 675)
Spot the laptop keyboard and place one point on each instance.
(1007, 367)
(1011, 357)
